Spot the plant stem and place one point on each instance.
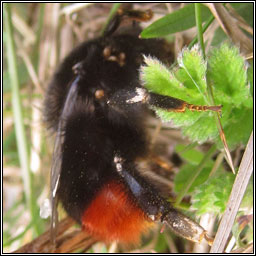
(199, 27)
(22, 143)
(199, 168)
(205, 27)
(16, 102)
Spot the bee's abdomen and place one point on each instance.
(114, 216)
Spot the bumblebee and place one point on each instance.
(97, 106)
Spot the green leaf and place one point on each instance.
(179, 119)
(202, 130)
(161, 244)
(192, 156)
(220, 205)
(193, 71)
(176, 21)
(157, 78)
(231, 88)
(227, 73)
(187, 172)
(187, 84)
(219, 195)
(212, 196)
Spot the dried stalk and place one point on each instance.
(66, 242)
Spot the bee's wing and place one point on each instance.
(57, 154)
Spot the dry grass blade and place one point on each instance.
(23, 28)
(48, 41)
(229, 25)
(236, 196)
(240, 21)
(72, 8)
(65, 243)
(31, 70)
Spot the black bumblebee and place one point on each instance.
(97, 107)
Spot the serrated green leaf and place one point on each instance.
(176, 21)
(218, 195)
(179, 119)
(227, 73)
(188, 83)
(212, 196)
(197, 205)
(220, 205)
(197, 197)
(157, 78)
(248, 103)
(202, 130)
(193, 71)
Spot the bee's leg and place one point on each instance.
(122, 14)
(176, 105)
(157, 208)
(168, 103)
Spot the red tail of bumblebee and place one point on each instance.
(114, 216)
